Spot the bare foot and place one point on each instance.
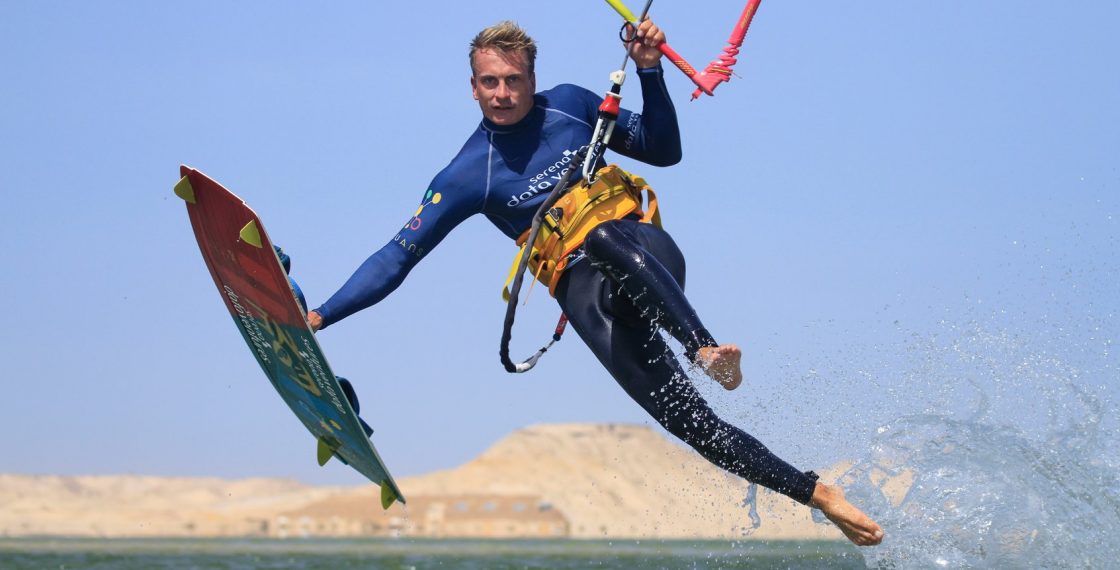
(858, 527)
(722, 364)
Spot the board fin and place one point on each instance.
(388, 495)
(250, 234)
(184, 190)
(325, 452)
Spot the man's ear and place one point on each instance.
(474, 88)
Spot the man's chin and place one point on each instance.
(503, 116)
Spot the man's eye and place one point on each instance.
(513, 80)
(489, 82)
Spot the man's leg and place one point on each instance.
(622, 332)
(631, 349)
(649, 269)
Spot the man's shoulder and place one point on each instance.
(564, 93)
(569, 100)
(475, 144)
(470, 157)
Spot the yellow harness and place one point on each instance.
(614, 195)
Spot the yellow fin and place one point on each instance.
(325, 453)
(388, 495)
(184, 190)
(250, 234)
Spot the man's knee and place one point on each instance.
(601, 238)
(609, 244)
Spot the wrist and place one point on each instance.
(315, 320)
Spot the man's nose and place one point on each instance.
(503, 89)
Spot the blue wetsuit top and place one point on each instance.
(505, 172)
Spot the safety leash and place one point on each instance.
(519, 275)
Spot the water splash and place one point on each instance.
(751, 504)
(1021, 475)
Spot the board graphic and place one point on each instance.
(257, 294)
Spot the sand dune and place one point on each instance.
(600, 480)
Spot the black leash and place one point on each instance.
(519, 276)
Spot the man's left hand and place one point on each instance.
(644, 47)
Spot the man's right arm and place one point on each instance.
(374, 279)
(443, 207)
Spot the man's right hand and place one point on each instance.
(315, 320)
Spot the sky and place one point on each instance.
(877, 169)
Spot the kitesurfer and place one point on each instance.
(626, 280)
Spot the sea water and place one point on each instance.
(979, 431)
(993, 435)
(412, 554)
(1012, 461)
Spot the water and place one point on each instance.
(330, 554)
(988, 439)
(1010, 463)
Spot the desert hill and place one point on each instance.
(568, 480)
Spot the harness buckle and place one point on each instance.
(553, 217)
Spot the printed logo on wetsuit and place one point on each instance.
(632, 129)
(545, 180)
(414, 224)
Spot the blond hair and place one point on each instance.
(505, 36)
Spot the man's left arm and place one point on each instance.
(653, 136)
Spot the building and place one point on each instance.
(432, 516)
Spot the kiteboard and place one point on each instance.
(259, 297)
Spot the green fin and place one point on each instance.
(184, 190)
(388, 495)
(250, 234)
(325, 452)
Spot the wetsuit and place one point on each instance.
(629, 283)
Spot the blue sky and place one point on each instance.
(878, 170)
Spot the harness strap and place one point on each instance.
(614, 195)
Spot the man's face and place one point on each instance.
(503, 85)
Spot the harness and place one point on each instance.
(614, 194)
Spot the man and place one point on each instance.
(626, 280)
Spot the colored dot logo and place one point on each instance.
(429, 198)
(328, 426)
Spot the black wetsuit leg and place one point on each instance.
(631, 285)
